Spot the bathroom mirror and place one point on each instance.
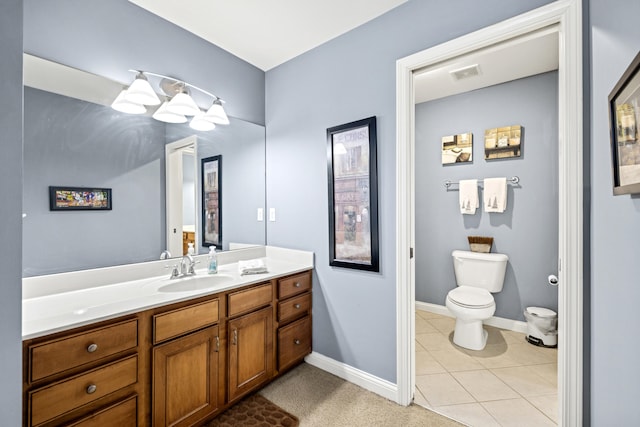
(78, 141)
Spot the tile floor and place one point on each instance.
(509, 383)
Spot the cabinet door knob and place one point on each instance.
(92, 388)
(235, 337)
(296, 341)
(217, 344)
(92, 347)
(296, 306)
(297, 285)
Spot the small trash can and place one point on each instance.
(542, 326)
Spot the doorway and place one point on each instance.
(566, 16)
(181, 194)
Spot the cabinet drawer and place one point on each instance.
(250, 299)
(178, 322)
(294, 307)
(294, 342)
(294, 285)
(59, 355)
(122, 414)
(49, 402)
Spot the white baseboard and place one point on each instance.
(498, 322)
(367, 381)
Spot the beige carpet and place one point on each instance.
(318, 398)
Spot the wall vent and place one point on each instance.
(465, 72)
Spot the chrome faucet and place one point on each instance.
(165, 254)
(187, 266)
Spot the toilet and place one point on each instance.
(478, 275)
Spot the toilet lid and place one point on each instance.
(471, 297)
(541, 312)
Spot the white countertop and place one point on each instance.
(44, 313)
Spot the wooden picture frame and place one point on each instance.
(624, 119)
(79, 199)
(353, 195)
(211, 171)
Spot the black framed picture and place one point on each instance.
(212, 201)
(79, 199)
(353, 195)
(624, 117)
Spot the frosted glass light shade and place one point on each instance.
(125, 106)
(199, 122)
(183, 104)
(339, 149)
(164, 115)
(141, 92)
(217, 114)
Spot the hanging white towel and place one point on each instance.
(495, 194)
(469, 200)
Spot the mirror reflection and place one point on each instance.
(76, 143)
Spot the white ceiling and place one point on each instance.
(267, 33)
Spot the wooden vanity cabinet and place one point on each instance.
(187, 364)
(85, 376)
(250, 339)
(177, 365)
(294, 320)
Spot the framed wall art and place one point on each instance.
(624, 117)
(457, 148)
(211, 168)
(353, 195)
(79, 199)
(503, 143)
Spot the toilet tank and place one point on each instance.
(480, 270)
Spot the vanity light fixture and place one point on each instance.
(177, 104)
(125, 106)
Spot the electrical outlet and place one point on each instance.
(260, 214)
(272, 214)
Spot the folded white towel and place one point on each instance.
(469, 196)
(495, 195)
(252, 266)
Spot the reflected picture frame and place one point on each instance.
(79, 199)
(211, 184)
(624, 121)
(353, 195)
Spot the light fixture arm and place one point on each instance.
(183, 83)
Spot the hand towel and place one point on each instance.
(252, 266)
(469, 196)
(495, 195)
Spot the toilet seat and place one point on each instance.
(470, 297)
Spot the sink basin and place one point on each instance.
(196, 283)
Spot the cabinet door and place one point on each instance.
(185, 378)
(250, 351)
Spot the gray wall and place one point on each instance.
(528, 230)
(615, 227)
(10, 212)
(73, 143)
(110, 37)
(346, 79)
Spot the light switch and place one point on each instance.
(260, 214)
(272, 214)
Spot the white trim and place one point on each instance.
(498, 322)
(567, 15)
(367, 381)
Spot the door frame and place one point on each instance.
(174, 190)
(567, 16)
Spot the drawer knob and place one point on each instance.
(296, 306)
(92, 347)
(296, 341)
(297, 285)
(92, 389)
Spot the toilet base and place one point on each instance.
(470, 334)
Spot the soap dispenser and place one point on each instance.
(212, 264)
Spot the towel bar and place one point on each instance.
(513, 180)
